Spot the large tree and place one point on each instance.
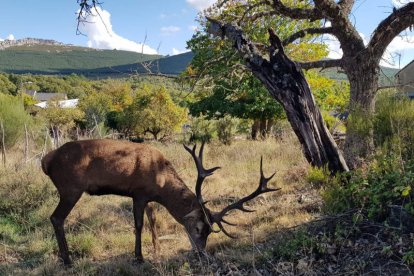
(221, 82)
(284, 79)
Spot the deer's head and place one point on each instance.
(200, 222)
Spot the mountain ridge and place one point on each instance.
(7, 43)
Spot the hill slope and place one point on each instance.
(51, 57)
(67, 59)
(386, 76)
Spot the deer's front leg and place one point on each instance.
(138, 208)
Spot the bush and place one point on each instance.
(386, 181)
(14, 117)
(226, 129)
(318, 176)
(202, 129)
(394, 125)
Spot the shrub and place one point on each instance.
(318, 176)
(394, 125)
(386, 181)
(226, 129)
(202, 129)
(14, 117)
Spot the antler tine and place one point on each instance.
(239, 205)
(220, 225)
(264, 180)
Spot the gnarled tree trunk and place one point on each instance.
(359, 143)
(287, 84)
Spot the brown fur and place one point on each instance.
(139, 171)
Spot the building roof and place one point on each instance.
(44, 97)
(31, 92)
(405, 67)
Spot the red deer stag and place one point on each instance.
(100, 167)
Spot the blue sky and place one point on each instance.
(166, 24)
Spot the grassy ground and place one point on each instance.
(100, 230)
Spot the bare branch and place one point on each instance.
(297, 13)
(328, 63)
(304, 32)
(399, 20)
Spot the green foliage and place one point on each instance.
(389, 178)
(408, 257)
(330, 95)
(201, 129)
(290, 248)
(22, 192)
(62, 119)
(14, 117)
(318, 176)
(386, 181)
(153, 111)
(226, 129)
(224, 85)
(6, 85)
(96, 107)
(394, 125)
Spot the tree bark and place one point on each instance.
(263, 127)
(359, 142)
(269, 126)
(255, 129)
(287, 84)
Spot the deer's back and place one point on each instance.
(106, 167)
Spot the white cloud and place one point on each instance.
(99, 30)
(201, 4)
(193, 28)
(170, 30)
(400, 47)
(177, 51)
(400, 3)
(9, 37)
(396, 51)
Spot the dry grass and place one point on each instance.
(100, 229)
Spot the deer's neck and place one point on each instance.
(178, 199)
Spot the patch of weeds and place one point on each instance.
(82, 244)
(84, 266)
(9, 230)
(291, 249)
(318, 176)
(408, 256)
(185, 269)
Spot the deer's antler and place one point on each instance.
(239, 205)
(202, 173)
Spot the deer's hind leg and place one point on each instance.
(58, 217)
(149, 210)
